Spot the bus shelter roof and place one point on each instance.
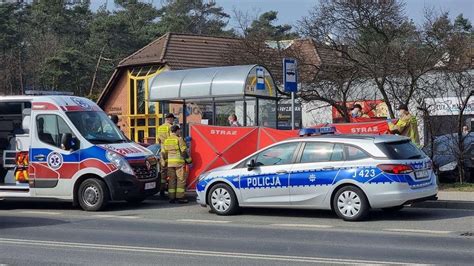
(213, 83)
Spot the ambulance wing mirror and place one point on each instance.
(69, 143)
(251, 164)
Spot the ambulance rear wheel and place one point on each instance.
(351, 204)
(222, 200)
(93, 195)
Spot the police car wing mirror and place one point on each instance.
(251, 164)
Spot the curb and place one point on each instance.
(445, 204)
(434, 204)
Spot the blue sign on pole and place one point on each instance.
(290, 75)
(260, 78)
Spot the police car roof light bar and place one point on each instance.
(317, 131)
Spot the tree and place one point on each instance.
(193, 16)
(377, 38)
(261, 41)
(336, 86)
(264, 26)
(458, 77)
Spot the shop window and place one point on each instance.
(132, 97)
(141, 96)
(141, 122)
(151, 132)
(151, 122)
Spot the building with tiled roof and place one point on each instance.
(126, 93)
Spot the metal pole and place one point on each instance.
(292, 110)
(184, 120)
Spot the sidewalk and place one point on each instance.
(450, 200)
(455, 195)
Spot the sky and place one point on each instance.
(290, 11)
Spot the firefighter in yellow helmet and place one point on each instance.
(174, 154)
(406, 125)
(163, 134)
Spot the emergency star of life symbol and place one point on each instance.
(55, 160)
(312, 177)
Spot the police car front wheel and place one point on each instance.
(222, 200)
(351, 204)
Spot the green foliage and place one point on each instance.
(193, 16)
(51, 44)
(264, 26)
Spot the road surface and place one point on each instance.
(54, 233)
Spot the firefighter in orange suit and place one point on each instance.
(174, 153)
(163, 134)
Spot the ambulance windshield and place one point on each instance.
(96, 127)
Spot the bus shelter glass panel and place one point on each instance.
(266, 113)
(223, 111)
(248, 113)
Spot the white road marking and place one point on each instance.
(203, 253)
(129, 217)
(41, 212)
(417, 231)
(304, 225)
(105, 216)
(203, 221)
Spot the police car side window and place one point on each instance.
(354, 153)
(50, 129)
(281, 154)
(315, 152)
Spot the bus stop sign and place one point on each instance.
(290, 76)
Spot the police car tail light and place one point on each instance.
(395, 168)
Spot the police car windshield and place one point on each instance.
(96, 127)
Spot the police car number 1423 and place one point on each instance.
(364, 173)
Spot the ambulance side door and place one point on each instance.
(51, 166)
(266, 184)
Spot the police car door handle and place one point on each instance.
(328, 168)
(40, 157)
(281, 172)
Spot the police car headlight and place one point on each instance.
(119, 162)
(448, 167)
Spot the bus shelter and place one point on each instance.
(210, 95)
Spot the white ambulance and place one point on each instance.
(65, 147)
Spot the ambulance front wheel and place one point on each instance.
(93, 195)
(222, 200)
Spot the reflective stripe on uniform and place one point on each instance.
(172, 190)
(163, 129)
(180, 190)
(177, 160)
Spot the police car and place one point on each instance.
(349, 174)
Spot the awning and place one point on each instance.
(214, 82)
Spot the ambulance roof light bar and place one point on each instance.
(49, 93)
(317, 131)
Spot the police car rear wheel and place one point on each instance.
(93, 195)
(222, 200)
(350, 204)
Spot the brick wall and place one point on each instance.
(117, 103)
